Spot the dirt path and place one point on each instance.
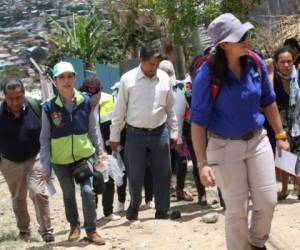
(186, 233)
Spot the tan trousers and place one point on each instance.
(245, 169)
(21, 177)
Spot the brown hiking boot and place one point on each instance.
(95, 238)
(182, 194)
(74, 234)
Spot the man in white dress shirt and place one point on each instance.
(145, 102)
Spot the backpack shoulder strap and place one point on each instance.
(255, 59)
(215, 84)
(35, 106)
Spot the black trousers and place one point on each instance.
(108, 195)
(148, 187)
(144, 148)
(181, 170)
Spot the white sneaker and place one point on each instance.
(120, 207)
(113, 217)
(150, 204)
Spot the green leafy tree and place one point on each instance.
(85, 37)
(180, 20)
(240, 8)
(39, 54)
(133, 24)
(181, 17)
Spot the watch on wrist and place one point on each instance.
(201, 163)
(281, 136)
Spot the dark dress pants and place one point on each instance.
(143, 148)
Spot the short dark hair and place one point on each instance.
(280, 51)
(292, 43)
(150, 50)
(13, 84)
(91, 85)
(196, 63)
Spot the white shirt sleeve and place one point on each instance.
(180, 108)
(171, 117)
(119, 112)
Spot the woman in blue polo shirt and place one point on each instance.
(231, 146)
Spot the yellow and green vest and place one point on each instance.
(70, 141)
(106, 107)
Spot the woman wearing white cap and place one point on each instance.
(69, 139)
(228, 98)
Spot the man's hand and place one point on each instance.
(173, 143)
(46, 176)
(282, 145)
(178, 147)
(99, 162)
(94, 100)
(114, 145)
(207, 176)
(270, 65)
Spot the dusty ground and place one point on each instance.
(186, 233)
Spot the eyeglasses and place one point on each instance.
(244, 37)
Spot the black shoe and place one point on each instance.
(258, 248)
(173, 191)
(48, 237)
(25, 236)
(131, 213)
(282, 196)
(202, 200)
(170, 214)
(222, 203)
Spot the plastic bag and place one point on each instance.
(100, 166)
(114, 170)
(119, 160)
(109, 167)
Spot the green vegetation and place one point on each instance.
(115, 31)
(39, 54)
(83, 36)
(11, 72)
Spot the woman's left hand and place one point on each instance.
(282, 145)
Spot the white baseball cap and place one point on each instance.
(62, 67)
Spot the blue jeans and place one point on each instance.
(149, 148)
(67, 183)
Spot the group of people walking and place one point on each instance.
(221, 120)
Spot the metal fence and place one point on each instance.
(107, 74)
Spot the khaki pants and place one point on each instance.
(21, 177)
(245, 169)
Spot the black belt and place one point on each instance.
(246, 137)
(147, 129)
